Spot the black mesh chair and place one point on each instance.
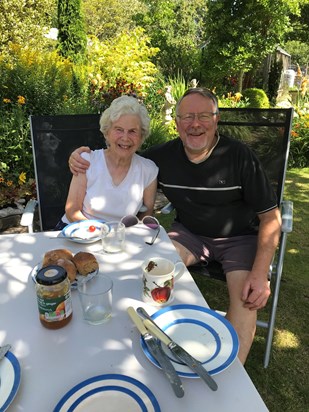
(53, 140)
(267, 132)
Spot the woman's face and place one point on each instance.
(125, 135)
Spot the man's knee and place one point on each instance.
(186, 256)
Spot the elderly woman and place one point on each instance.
(118, 181)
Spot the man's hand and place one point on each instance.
(76, 163)
(256, 292)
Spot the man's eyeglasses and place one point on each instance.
(149, 221)
(204, 117)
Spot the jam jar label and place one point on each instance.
(56, 308)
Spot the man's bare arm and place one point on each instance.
(256, 291)
(76, 163)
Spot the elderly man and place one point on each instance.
(225, 207)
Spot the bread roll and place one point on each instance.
(70, 268)
(51, 257)
(85, 263)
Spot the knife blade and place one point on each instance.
(158, 353)
(181, 354)
(3, 351)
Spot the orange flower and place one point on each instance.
(21, 100)
(294, 134)
(238, 96)
(22, 178)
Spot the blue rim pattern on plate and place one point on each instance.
(16, 367)
(69, 230)
(115, 387)
(203, 325)
(231, 337)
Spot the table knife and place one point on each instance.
(3, 350)
(181, 354)
(158, 353)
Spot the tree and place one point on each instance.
(72, 40)
(107, 22)
(176, 27)
(241, 33)
(24, 23)
(300, 24)
(124, 56)
(299, 52)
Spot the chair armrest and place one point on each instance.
(167, 209)
(287, 216)
(28, 214)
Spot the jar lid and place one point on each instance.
(51, 275)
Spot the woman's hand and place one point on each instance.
(76, 163)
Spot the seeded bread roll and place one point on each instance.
(85, 263)
(51, 257)
(70, 268)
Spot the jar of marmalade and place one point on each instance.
(53, 289)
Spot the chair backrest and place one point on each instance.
(267, 132)
(53, 140)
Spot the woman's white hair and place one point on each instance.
(121, 106)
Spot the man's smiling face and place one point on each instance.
(198, 135)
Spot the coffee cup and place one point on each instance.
(159, 275)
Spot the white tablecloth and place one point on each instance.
(53, 361)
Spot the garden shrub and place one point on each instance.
(153, 96)
(159, 133)
(126, 55)
(44, 79)
(33, 82)
(102, 93)
(179, 85)
(257, 98)
(299, 144)
(274, 79)
(232, 100)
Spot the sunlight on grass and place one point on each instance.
(285, 339)
(293, 251)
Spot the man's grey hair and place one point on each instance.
(202, 92)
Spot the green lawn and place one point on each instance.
(284, 384)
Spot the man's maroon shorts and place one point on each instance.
(234, 253)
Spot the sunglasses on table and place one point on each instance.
(149, 221)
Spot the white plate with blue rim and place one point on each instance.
(84, 231)
(111, 393)
(202, 332)
(10, 380)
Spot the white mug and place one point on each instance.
(159, 275)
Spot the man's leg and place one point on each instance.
(186, 256)
(243, 319)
